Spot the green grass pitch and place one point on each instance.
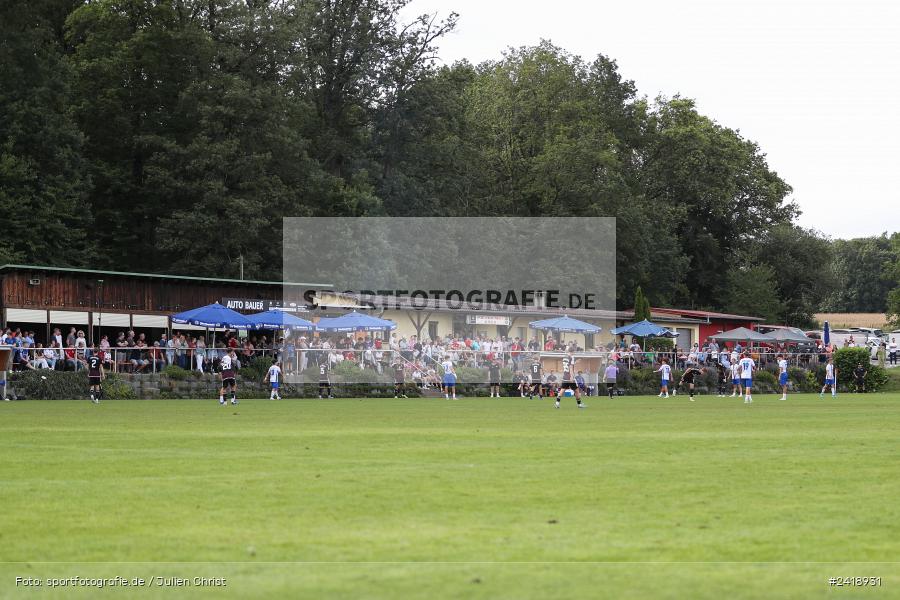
(477, 498)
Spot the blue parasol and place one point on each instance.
(213, 316)
(355, 322)
(279, 319)
(564, 323)
(644, 329)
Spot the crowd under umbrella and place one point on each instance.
(644, 329)
(564, 324)
(213, 316)
(354, 321)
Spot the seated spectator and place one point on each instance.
(551, 382)
(139, 361)
(71, 362)
(21, 358)
(50, 357)
(155, 357)
(38, 361)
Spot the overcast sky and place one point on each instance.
(815, 83)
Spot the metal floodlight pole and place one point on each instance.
(100, 315)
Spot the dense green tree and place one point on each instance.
(800, 260)
(175, 135)
(719, 186)
(861, 270)
(43, 184)
(893, 300)
(754, 291)
(641, 305)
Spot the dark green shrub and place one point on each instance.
(846, 359)
(257, 368)
(45, 384)
(114, 388)
(175, 373)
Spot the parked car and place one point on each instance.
(870, 331)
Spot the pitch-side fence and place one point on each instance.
(152, 360)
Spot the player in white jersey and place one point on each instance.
(830, 379)
(665, 376)
(273, 378)
(449, 378)
(747, 366)
(783, 375)
(228, 381)
(736, 380)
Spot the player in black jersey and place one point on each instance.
(229, 382)
(95, 374)
(722, 376)
(325, 377)
(568, 380)
(688, 377)
(494, 377)
(399, 380)
(535, 371)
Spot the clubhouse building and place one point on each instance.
(39, 299)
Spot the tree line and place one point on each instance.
(173, 136)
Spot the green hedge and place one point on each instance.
(257, 368)
(49, 385)
(349, 381)
(846, 359)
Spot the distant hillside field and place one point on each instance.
(852, 319)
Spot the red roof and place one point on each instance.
(705, 314)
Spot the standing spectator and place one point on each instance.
(200, 354)
(56, 341)
(70, 339)
(180, 351)
(121, 344)
(104, 344)
(303, 346)
(892, 351)
(515, 352)
(609, 378)
(859, 378)
(80, 346)
(170, 349)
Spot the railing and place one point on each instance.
(137, 359)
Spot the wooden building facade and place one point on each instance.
(40, 298)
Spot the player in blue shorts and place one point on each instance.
(783, 375)
(449, 379)
(273, 378)
(747, 365)
(665, 375)
(830, 379)
(735, 372)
